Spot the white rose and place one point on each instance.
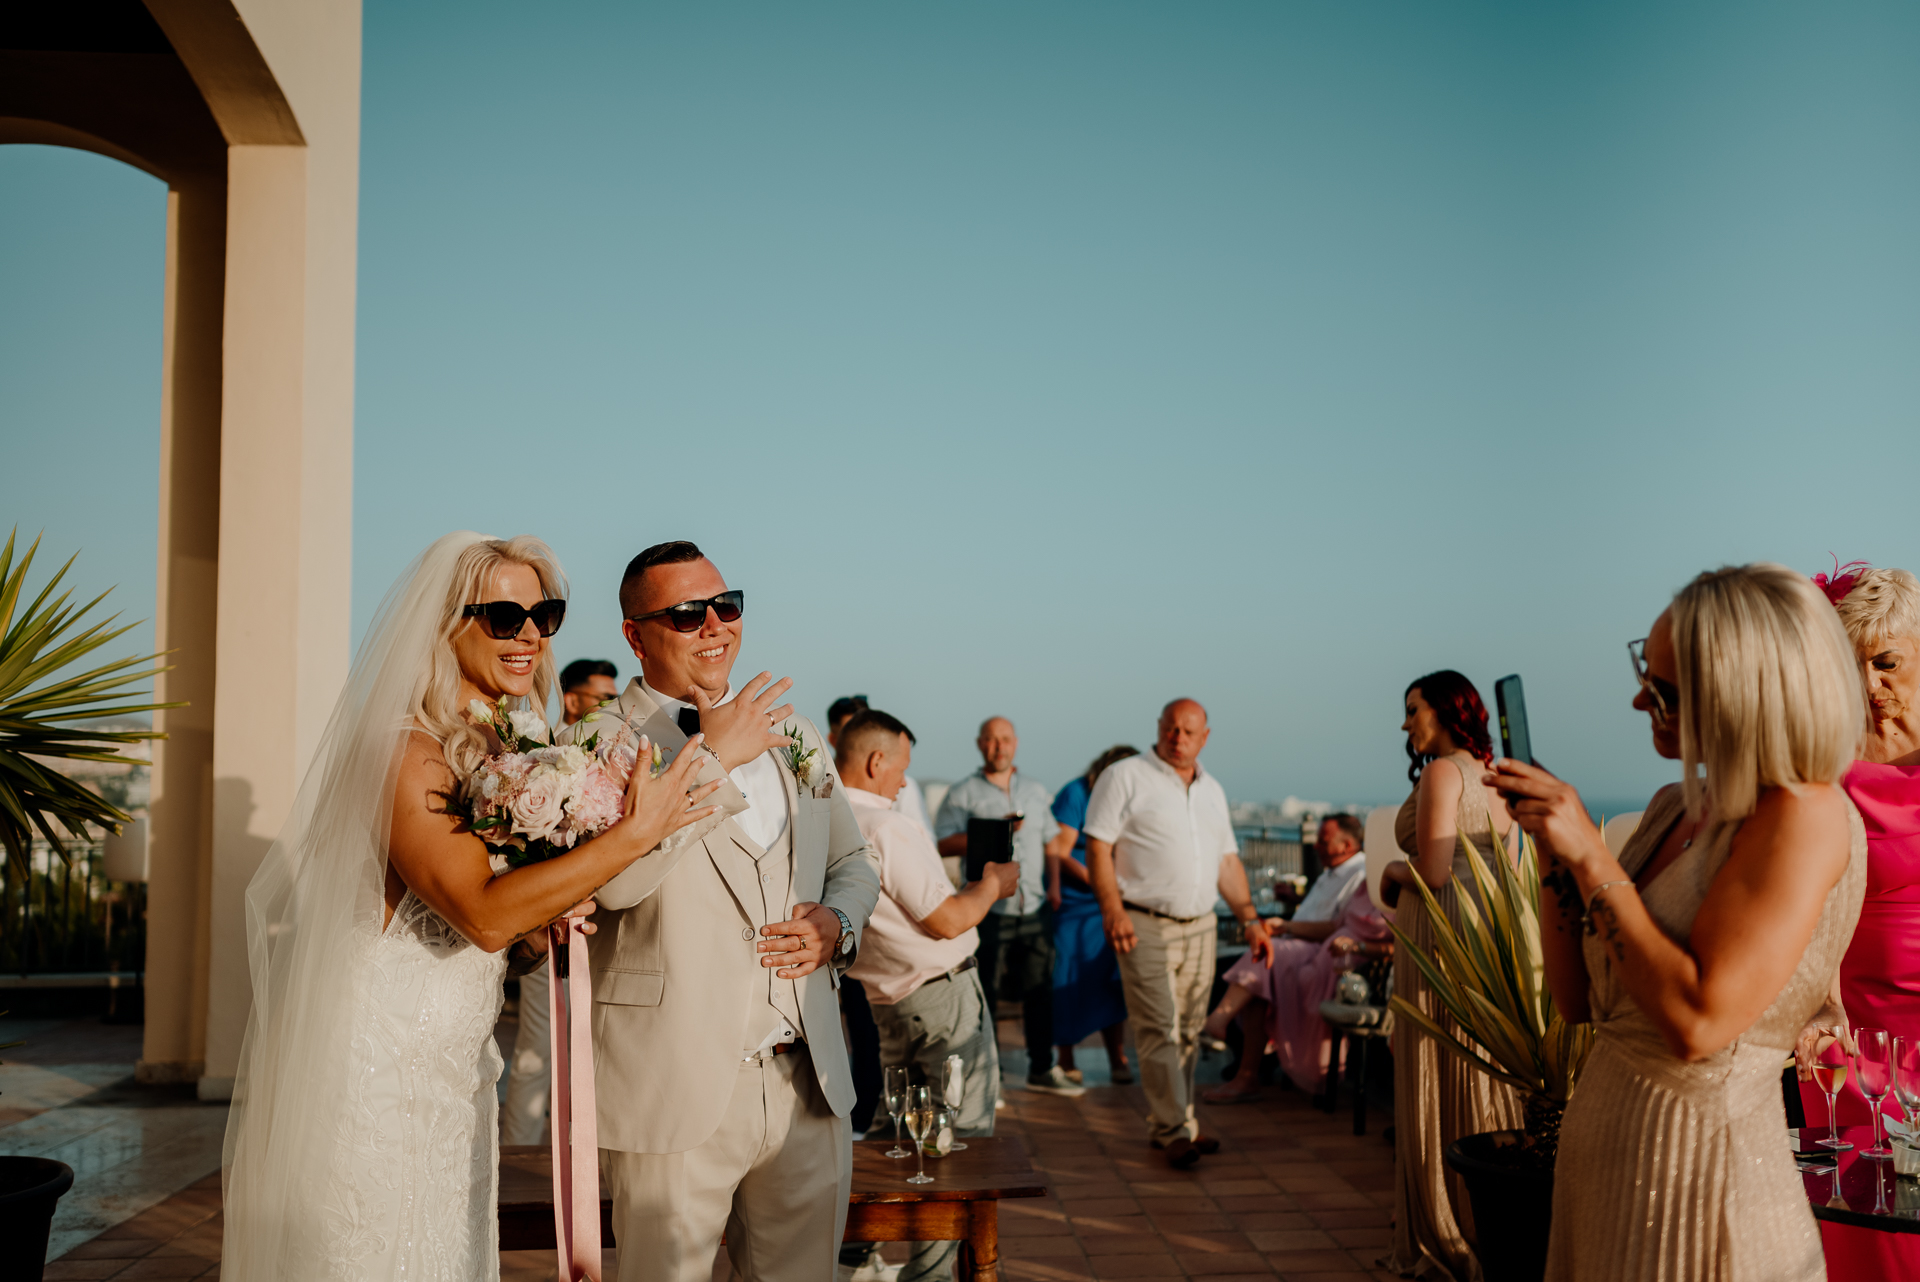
(808, 773)
(481, 712)
(538, 807)
(529, 724)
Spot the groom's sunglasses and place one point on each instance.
(506, 618)
(691, 616)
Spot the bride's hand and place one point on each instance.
(657, 808)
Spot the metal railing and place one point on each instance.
(66, 917)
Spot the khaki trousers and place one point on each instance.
(1167, 979)
(774, 1179)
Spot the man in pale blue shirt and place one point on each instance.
(1016, 938)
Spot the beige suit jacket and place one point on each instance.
(675, 969)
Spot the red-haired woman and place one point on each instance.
(1437, 1099)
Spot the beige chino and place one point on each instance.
(1168, 978)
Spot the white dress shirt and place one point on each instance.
(1331, 890)
(765, 817)
(1168, 839)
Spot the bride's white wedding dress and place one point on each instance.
(361, 1146)
(411, 1187)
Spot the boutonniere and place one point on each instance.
(803, 761)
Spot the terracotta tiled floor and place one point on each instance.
(1292, 1193)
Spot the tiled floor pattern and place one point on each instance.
(67, 1093)
(1292, 1194)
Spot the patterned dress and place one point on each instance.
(417, 1152)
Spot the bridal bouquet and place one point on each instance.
(539, 799)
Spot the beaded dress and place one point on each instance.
(1671, 1170)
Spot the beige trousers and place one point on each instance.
(1167, 978)
(774, 1179)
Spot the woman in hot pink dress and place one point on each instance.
(1880, 974)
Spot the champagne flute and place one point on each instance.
(953, 1084)
(919, 1122)
(896, 1088)
(1830, 1074)
(1906, 1082)
(1872, 1065)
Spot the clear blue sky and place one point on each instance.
(1054, 360)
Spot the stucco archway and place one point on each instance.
(249, 111)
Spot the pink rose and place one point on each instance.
(537, 808)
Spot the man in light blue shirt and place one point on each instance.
(1016, 938)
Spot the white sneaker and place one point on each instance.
(1055, 1082)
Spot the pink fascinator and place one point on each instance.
(1841, 581)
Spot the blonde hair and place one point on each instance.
(437, 705)
(1770, 691)
(1881, 604)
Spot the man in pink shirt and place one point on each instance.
(916, 957)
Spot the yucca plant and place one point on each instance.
(1487, 974)
(38, 710)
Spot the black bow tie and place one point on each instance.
(689, 719)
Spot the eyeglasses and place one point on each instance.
(691, 616)
(1665, 694)
(506, 618)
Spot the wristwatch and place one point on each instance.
(843, 947)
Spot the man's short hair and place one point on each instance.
(675, 553)
(1349, 824)
(575, 674)
(845, 706)
(865, 730)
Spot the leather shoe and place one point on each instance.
(1182, 1154)
(1206, 1144)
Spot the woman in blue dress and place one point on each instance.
(1086, 975)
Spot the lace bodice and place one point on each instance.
(416, 1149)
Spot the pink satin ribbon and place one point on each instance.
(576, 1140)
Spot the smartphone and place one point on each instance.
(989, 841)
(1515, 743)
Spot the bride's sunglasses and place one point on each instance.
(691, 616)
(505, 618)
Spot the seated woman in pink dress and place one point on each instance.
(1280, 1000)
(1879, 984)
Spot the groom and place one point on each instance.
(722, 1075)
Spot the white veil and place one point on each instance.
(322, 881)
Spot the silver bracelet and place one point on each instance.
(1587, 917)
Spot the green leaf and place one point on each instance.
(37, 709)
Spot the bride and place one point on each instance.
(362, 1143)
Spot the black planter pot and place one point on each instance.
(1512, 1205)
(29, 1187)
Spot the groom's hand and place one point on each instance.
(799, 946)
(742, 729)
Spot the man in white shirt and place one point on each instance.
(1160, 846)
(916, 959)
(584, 685)
(1256, 990)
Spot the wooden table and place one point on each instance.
(961, 1205)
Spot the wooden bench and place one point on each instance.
(961, 1205)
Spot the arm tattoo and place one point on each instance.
(1602, 920)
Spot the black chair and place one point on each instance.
(1361, 1025)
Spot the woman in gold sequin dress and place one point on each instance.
(1713, 937)
(1437, 1098)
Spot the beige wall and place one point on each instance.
(250, 110)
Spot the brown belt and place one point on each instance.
(959, 970)
(1155, 912)
(784, 1048)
